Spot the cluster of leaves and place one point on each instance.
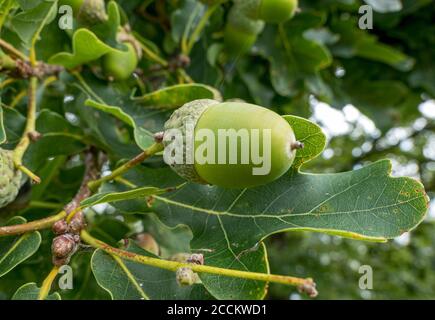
(401, 270)
(321, 54)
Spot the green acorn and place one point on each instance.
(270, 11)
(87, 12)
(119, 65)
(240, 32)
(274, 139)
(10, 178)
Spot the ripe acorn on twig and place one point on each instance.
(213, 116)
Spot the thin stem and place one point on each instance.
(31, 226)
(152, 150)
(125, 182)
(151, 55)
(71, 215)
(92, 169)
(35, 37)
(18, 98)
(44, 205)
(174, 265)
(7, 82)
(46, 285)
(184, 38)
(49, 81)
(5, 11)
(24, 143)
(87, 87)
(184, 77)
(8, 47)
(199, 27)
(27, 172)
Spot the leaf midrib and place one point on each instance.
(309, 213)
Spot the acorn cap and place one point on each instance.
(92, 12)
(188, 113)
(249, 7)
(270, 11)
(124, 36)
(10, 178)
(242, 22)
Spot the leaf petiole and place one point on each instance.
(46, 285)
(199, 27)
(152, 150)
(24, 143)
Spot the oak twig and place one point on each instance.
(188, 45)
(31, 226)
(152, 150)
(306, 285)
(72, 208)
(24, 143)
(91, 173)
(16, 53)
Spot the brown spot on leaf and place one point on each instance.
(150, 201)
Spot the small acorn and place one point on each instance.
(87, 12)
(270, 11)
(119, 65)
(186, 277)
(63, 246)
(240, 32)
(146, 241)
(196, 258)
(77, 223)
(251, 128)
(60, 227)
(10, 178)
(309, 288)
